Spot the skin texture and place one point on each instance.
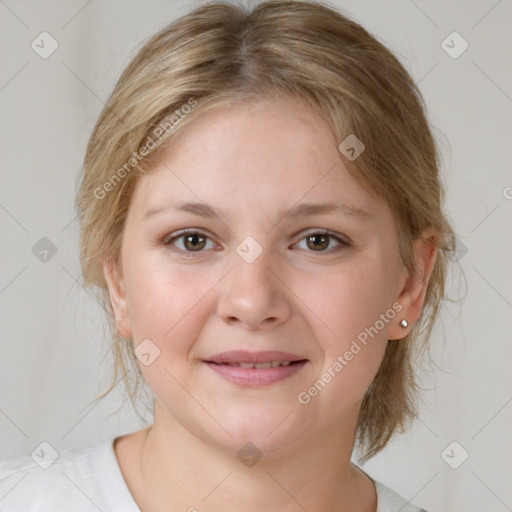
(256, 161)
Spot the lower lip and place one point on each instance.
(255, 377)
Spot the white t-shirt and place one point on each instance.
(90, 480)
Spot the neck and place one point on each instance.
(178, 470)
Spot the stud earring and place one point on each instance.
(404, 324)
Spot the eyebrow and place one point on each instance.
(301, 210)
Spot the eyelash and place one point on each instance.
(171, 238)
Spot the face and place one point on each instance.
(258, 272)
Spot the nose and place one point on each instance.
(253, 295)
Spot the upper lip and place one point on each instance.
(243, 356)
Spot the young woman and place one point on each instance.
(262, 211)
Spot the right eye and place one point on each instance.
(192, 241)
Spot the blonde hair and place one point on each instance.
(221, 53)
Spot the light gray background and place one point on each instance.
(51, 329)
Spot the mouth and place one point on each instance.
(272, 357)
(261, 366)
(254, 369)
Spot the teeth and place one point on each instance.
(263, 366)
(260, 366)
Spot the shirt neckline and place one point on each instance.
(121, 500)
(114, 490)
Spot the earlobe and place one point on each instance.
(118, 300)
(412, 296)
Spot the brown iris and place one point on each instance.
(191, 241)
(324, 241)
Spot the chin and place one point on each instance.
(269, 429)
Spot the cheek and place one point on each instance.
(348, 301)
(350, 341)
(165, 305)
(165, 308)
(355, 312)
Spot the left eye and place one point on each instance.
(320, 240)
(196, 241)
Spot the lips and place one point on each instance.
(254, 369)
(238, 357)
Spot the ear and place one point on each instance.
(118, 300)
(412, 296)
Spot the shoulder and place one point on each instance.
(46, 464)
(390, 501)
(73, 478)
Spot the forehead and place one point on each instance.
(266, 153)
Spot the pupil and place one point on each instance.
(189, 239)
(321, 245)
